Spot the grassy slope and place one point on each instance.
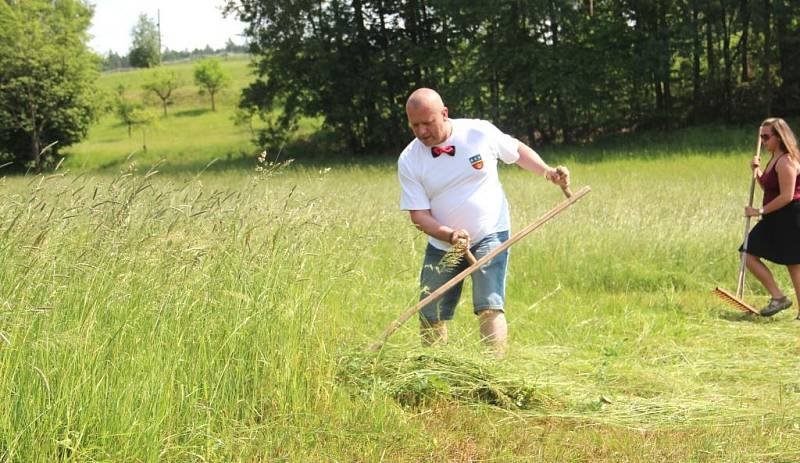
(189, 138)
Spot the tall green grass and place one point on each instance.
(155, 317)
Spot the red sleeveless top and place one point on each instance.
(769, 181)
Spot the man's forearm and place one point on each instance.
(425, 222)
(530, 160)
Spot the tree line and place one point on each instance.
(145, 50)
(113, 61)
(544, 70)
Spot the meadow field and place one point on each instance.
(190, 314)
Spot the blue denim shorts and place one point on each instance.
(488, 283)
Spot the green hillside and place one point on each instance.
(190, 137)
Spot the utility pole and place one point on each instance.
(159, 34)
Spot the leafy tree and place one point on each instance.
(210, 77)
(162, 82)
(543, 70)
(126, 109)
(144, 52)
(349, 62)
(245, 116)
(143, 118)
(787, 33)
(47, 85)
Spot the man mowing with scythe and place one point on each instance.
(448, 176)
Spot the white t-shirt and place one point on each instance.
(461, 191)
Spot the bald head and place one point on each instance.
(424, 98)
(427, 116)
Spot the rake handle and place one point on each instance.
(393, 326)
(743, 256)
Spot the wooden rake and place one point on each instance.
(476, 264)
(736, 301)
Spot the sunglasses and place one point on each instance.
(765, 137)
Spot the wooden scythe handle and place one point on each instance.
(564, 188)
(476, 265)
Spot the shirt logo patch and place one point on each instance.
(476, 161)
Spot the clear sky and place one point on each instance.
(185, 24)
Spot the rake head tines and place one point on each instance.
(735, 302)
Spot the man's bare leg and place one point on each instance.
(432, 333)
(494, 330)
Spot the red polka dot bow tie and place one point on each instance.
(436, 151)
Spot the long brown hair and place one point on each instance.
(788, 140)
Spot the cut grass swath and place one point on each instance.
(418, 380)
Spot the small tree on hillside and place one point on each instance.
(209, 76)
(143, 119)
(126, 108)
(144, 52)
(162, 83)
